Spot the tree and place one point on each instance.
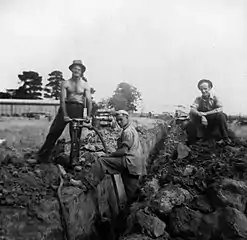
(118, 102)
(125, 97)
(31, 86)
(5, 95)
(52, 88)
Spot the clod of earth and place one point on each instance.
(228, 192)
(200, 194)
(183, 150)
(233, 224)
(169, 197)
(147, 222)
(28, 194)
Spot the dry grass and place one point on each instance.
(23, 134)
(240, 131)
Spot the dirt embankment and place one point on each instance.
(28, 197)
(202, 196)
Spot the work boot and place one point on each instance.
(84, 184)
(78, 183)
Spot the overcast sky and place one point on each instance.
(163, 47)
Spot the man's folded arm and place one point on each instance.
(218, 105)
(194, 107)
(127, 142)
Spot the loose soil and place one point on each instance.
(202, 196)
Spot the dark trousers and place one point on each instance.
(113, 165)
(215, 121)
(74, 110)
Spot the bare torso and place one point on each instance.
(75, 90)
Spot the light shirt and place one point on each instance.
(206, 104)
(134, 158)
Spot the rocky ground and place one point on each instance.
(28, 195)
(199, 196)
(27, 191)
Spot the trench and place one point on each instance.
(122, 219)
(202, 195)
(198, 195)
(100, 217)
(30, 207)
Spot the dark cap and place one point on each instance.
(210, 84)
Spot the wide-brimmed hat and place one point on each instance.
(210, 84)
(79, 63)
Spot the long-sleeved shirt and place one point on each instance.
(134, 157)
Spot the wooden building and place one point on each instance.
(21, 107)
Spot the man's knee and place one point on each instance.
(194, 118)
(112, 165)
(221, 117)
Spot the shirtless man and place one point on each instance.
(75, 93)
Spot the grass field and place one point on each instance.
(240, 131)
(23, 133)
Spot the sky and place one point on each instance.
(162, 47)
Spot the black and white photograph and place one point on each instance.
(123, 120)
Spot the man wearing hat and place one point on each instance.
(206, 115)
(75, 93)
(127, 160)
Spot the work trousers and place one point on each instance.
(196, 130)
(74, 110)
(113, 165)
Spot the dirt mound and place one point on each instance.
(28, 191)
(199, 196)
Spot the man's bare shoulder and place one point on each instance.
(66, 83)
(85, 84)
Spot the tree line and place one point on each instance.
(31, 86)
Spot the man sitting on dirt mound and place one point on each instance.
(206, 115)
(75, 92)
(127, 160)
